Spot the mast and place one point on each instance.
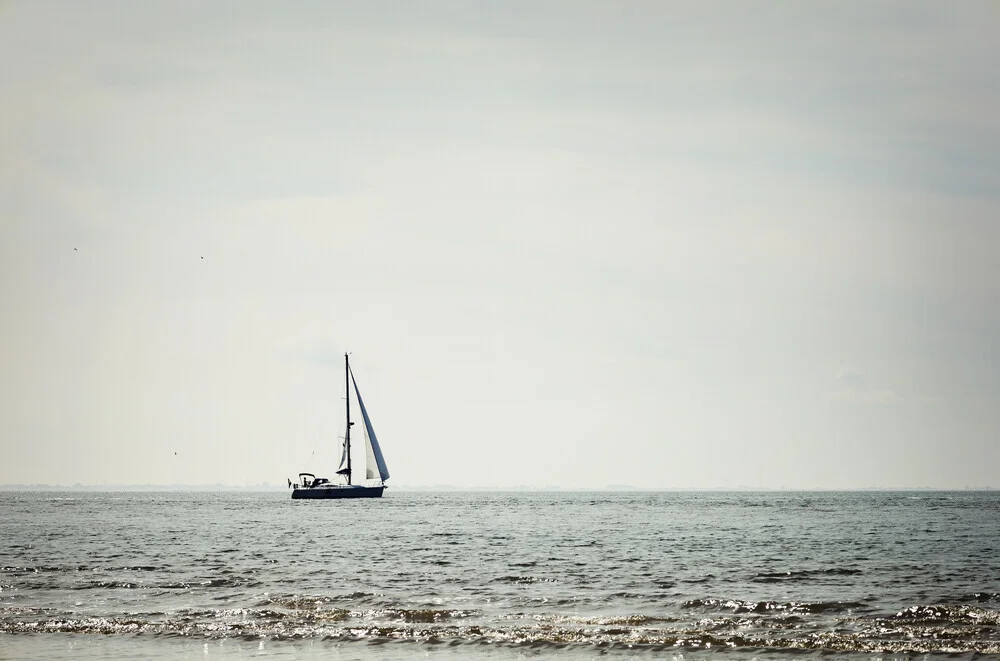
(347, 434)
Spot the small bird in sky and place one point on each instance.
(74, 250)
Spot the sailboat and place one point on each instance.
(376, 473)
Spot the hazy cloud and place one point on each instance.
(852, 388)
(553, 229)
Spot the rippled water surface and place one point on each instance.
(499, 575)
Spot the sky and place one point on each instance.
(569, 244)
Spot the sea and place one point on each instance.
(500, 575)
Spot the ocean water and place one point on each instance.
(484, 575)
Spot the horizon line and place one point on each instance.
(265, 486)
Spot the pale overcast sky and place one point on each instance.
(666, 244)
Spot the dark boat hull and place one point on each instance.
(337, 491)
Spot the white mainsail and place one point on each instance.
(373, 453)
(342, 468)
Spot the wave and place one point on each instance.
(521, 580)
(604, 621)
(742, 606)
(946, 614)
(801, 575)
(296, 602)
(109, 584)
(973, 632)
(973, 597)
(424, 614)
(98, 585)
(39, 569)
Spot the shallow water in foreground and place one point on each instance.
(499, 575)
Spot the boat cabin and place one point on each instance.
(307, 480)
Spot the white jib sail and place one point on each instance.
(373, 453)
